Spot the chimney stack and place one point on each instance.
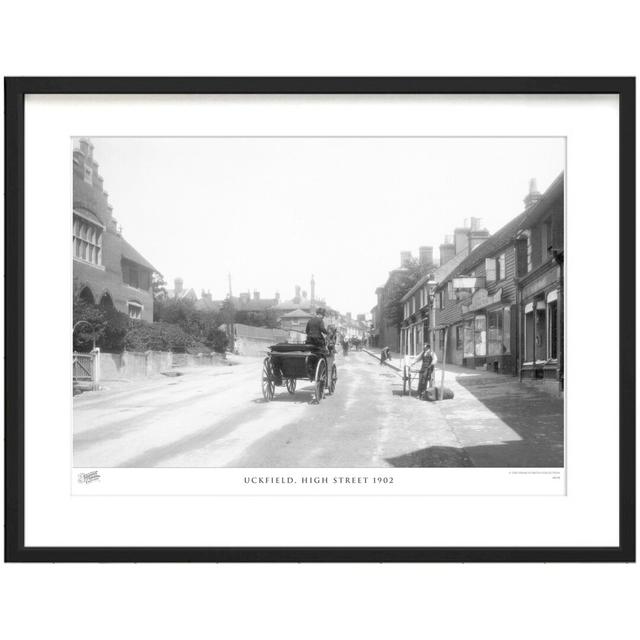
(533, 196)
(256, 295)
(178, 282)
(447, 250)
(426, 256)
(461, 239)
(297, 296)
(313, 288)
(405, 258)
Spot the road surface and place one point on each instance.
(217, 417)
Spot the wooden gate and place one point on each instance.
(84, 368)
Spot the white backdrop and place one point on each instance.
(403, 38)
(54, 517)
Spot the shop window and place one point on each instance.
(528, 333)
(480, 335)
(541, 330)
(506, 330)
(552, 327)
(494, 332)
(469, 350)
(459, 337)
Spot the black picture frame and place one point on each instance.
(15, 91)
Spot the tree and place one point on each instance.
(158, 286)
(402, 282)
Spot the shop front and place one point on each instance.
(487, 335)
(541, 345)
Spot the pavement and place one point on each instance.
(217, 417)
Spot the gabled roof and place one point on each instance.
(297, 313)
(439, 274)
(494, 243)
(129, 253)
(504, 236)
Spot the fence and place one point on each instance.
(254, 341)
(84, 369)
(130, 364)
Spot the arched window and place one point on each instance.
(87, 296)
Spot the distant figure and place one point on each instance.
(428, 359)
(332, 337)
(316, 330)
(385, 355)
(345, 345)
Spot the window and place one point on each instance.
(459, 337)
(88, 175)
(535, 331)
(494, 332)
(468, 339)
(506, 330)
(490, 269)
(480, 335)
(135, 310)
(135, 276)
(529, 253)
(87, 241)
(547, 239)
(501, 266)
(552, 325)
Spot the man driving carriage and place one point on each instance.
(316, 330)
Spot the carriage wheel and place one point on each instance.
(291, 385)
(268, 383)
(334, 379)
(321, 379)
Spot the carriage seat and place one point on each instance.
(287, 347)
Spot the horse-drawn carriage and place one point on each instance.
(287, 363)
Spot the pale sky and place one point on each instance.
(273, 211)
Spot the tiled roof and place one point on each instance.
(501, 238)
(439, 274)
(129, 253)
(297, 313)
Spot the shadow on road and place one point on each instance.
(433, 457)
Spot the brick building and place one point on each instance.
(106, 269)
(417, 303)
(474, 305)
(540, 281)
(501, 308)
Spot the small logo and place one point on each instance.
(86, 478)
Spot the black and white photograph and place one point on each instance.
(318, 302)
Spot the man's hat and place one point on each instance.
(321, 311)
